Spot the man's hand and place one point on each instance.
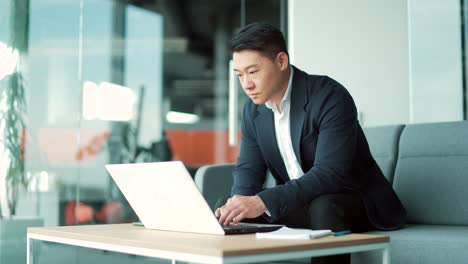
(239, 207)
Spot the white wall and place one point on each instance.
(398, 70)
(363, 44)
(435, 64)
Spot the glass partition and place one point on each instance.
(91, 82)
(113, 82)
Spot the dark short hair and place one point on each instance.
(261, 37)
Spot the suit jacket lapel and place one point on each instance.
(299, 100)
(265, 126)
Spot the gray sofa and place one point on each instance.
(427, 165)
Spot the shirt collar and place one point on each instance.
(286, 96)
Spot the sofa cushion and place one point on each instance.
(422, 244)
(383, 144)
(431, 176)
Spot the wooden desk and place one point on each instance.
(126, 238)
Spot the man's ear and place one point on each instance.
(282, 60)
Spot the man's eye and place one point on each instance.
(252, 72)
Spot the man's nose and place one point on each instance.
(247, 84)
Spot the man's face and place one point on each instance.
(261, 77)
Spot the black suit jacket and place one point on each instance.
(330, 146)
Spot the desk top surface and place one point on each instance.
(128, 235)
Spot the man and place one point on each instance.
(304, 130)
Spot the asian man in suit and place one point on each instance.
(303, 129)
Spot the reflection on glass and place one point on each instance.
(9, 60)
(181, 118)
(115, 82)
(53, 96)
(108, 102)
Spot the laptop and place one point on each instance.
(165, 197)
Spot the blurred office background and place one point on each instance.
(116, 81)
(104, 81)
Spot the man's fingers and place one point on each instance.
(231, 216)
(224, 212)
(238, 218)
(234, 210)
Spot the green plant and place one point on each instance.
(12, 119)
(13, 106)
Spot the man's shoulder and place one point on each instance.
(323, 89)
(317, 81)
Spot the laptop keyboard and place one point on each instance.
(237, 226)
(248, 228)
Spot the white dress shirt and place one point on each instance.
(283, 133)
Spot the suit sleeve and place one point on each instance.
(336, 146)
(250, 170)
